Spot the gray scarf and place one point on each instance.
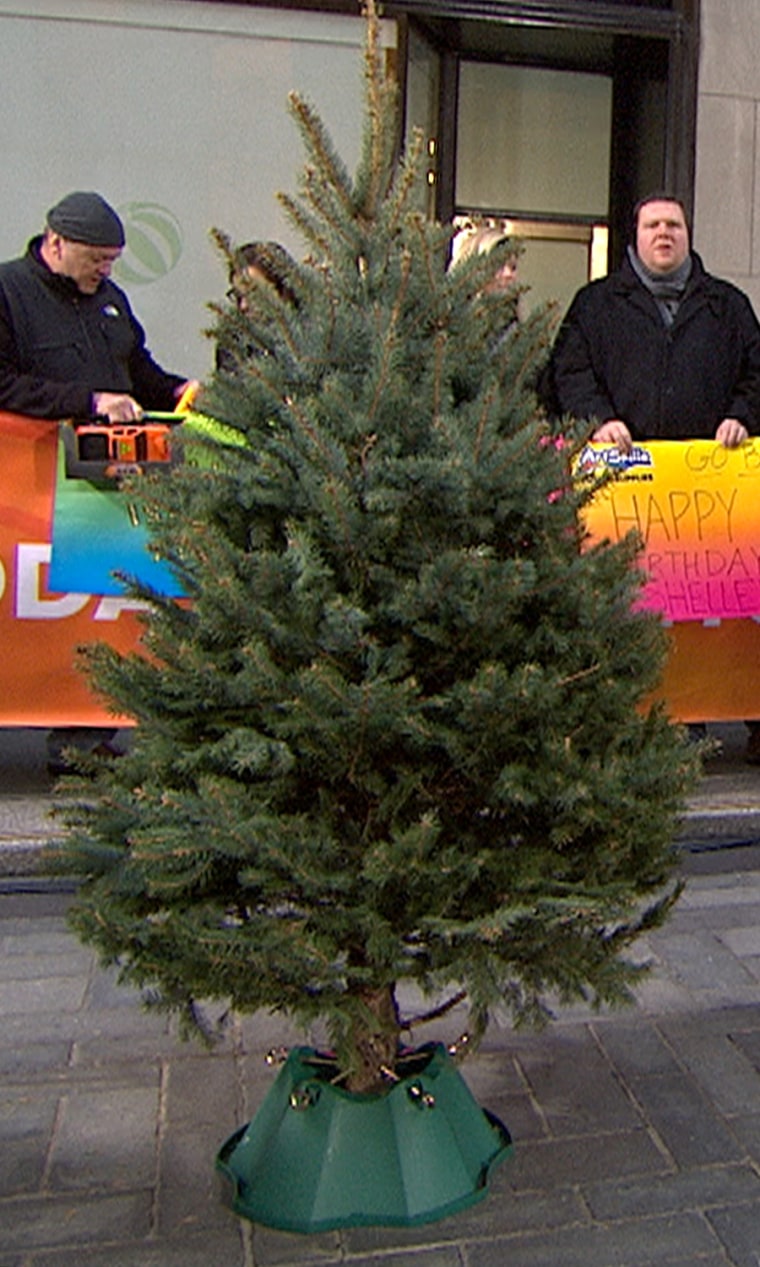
(666, 288)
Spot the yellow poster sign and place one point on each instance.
(696, 507)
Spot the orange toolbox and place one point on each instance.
(99, 451)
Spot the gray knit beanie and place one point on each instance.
(86, 217)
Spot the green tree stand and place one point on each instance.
(317, 1156)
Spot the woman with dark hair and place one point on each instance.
(253, 265)
(257, 262)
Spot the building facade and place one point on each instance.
(552, 116)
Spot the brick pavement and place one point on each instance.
(637, 1133)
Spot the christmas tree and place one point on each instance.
(398, 730)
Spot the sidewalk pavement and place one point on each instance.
(637, 1133)
(724, 810)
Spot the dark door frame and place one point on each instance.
(625, 36)
(671, 25)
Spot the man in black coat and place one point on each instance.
(660, 349)
(70, 345)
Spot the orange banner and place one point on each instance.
(40, 630)
(712, 673)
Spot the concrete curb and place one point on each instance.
(723, 812)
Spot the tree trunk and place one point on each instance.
(374, 1040)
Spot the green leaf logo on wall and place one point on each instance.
(154, 243)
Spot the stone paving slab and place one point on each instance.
(637, 1133)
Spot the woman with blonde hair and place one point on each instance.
(481, 241)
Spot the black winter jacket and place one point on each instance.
(58, 346)
(614, 357)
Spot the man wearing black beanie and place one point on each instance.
(70, 345)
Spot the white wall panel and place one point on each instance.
(177, 107)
